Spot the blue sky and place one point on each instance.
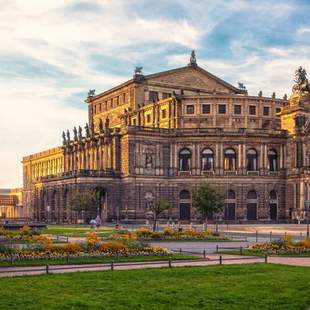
(53, 51)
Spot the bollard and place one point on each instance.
(241, 250)
(204, 253)
(217, 248)
(180, 250)
(300, 236)
(12, 259)
(47, 269)
(266, 258)
(270, 236)
(112, 266)
(221, 260)
(67, 258)
(256, 236)
(169, 263)
(67, 239)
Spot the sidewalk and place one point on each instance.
(213, 259)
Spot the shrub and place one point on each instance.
(92, 238)
(72, 248)
(304, 243)
(113, 246)
(143, 232)
(25, 230)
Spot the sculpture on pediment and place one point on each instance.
(193, 60)
(138, 70)
(64, 140)
(301, 85)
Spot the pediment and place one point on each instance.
(192, 77)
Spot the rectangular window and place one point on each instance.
(166, 95)
(134, 122)
(222, 108)
(206, 109)
(266, 111)
(163, 113)
(148, 118)
(153, 96)
(190, 109)
(237, 109)
(252, 110)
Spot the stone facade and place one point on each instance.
(161, 135)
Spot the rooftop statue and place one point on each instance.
(193, 60)
(100, 125)
(64, 140)
(91, 93)
(68, 135)
(302, 84)
(75, 133)
(80, 133)
(87, 131)
(138, 70)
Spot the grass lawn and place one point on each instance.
(95, 260)
(255, 286)
(252, 253)
(75, 231)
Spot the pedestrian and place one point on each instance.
(98, 221)
(92, 223)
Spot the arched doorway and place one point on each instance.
(230, 208)
(185, 205)
(252, 206)
(273, 205)
(101, 202)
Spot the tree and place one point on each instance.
(86, 200)
(208, 200)
(157, 208)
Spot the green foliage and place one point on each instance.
(85, 200)
(157, 208)
(208, 200)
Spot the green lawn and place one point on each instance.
(75, 231)
(95, 260)
(253, 253)
(256, 286)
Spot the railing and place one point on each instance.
(47, 269)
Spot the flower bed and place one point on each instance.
(93, 247)
(168, 234)
(282, 246)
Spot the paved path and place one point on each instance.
(210, 260)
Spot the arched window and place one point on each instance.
(185, 160)
(185, 194)
(230, 160)
(207, 160)
(185, 205)
(252, 205)
(273, 160)
(231, 194)
(252, 160)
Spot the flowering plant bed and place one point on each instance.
(169, 234)
(93, 247)
(281, 247)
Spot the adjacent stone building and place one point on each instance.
(11, 206)
(160, 135)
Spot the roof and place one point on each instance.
(150, 76)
